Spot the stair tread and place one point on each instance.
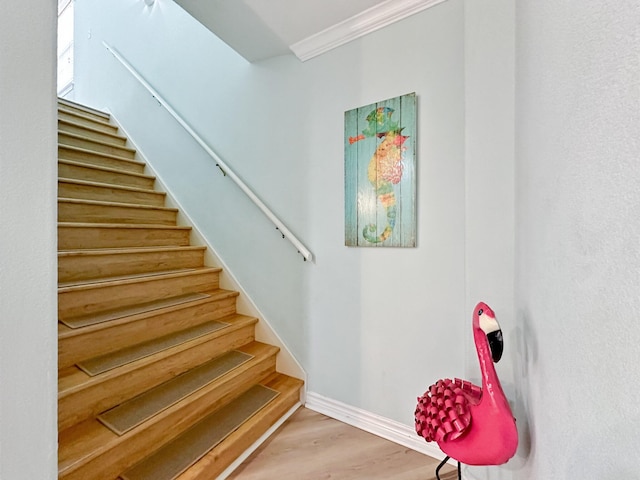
(89, 183)
(178, 455)
(133, 279)
(101, 203)
(94, 141)
(78, 106)
(104, 169)
(73, 379)
(99, 154)
(104, 363)
(133, 412)
(131, 226)
(65, 121)
(90, 438)
(83, 115)
(90, 323)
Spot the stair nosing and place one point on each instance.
(97, 283)
(92, 140)
(128, 250)
(91, 183)
(102, 203)
(101, 154)
(128, 188)
(105, 169)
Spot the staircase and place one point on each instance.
(159, 377)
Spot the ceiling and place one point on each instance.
(260, 29)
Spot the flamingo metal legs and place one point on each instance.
(442, 463)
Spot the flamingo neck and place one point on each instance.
(491, 388)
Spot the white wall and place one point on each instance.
(550, 240)
(372, 327)
(28, 271)
(578, 230)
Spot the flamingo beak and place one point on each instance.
(496, 345)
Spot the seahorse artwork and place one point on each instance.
(384, 173)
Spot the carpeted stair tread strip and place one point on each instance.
(133, 412)
(103, 363)
(178, 455)
(94, 319)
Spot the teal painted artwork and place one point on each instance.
(380, 174)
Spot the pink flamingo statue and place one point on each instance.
(472, 425)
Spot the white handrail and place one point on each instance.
(286, 233)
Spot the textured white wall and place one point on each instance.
(28, 274)
(578, 231)
(489, 183)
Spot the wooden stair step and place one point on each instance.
(129, 326)
(82, 396)
(109, 361)
(96, 173)
(178, 455)
(87, 190)
(79, 235)
(225, 453)
(79, 265)
(81, 118)
(133, 412)
(90, 450)
(111, 138)
(107, 294)
(91, 157)
(83, 109)
(90, 211)
(97, 145)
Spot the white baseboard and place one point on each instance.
(370, 422)
(230, 469)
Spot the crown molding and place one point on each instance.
(370, 20)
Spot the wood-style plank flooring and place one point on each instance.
(311, 446)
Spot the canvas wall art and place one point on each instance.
(380, 174)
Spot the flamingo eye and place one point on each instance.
(480, 312)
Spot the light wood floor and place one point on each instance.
(311, 446)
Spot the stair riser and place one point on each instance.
(84, 267)
(125, 454)
(98, 298)
(140, 329)
(89, 144)
(92, 192)
(99, 117)
(214, 463)
(80, 172)
(90, 213)
(101, 396)
(81, 119)
(70, 238)
(90, 133)
(94, 158)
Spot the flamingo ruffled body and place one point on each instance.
(471, 424)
